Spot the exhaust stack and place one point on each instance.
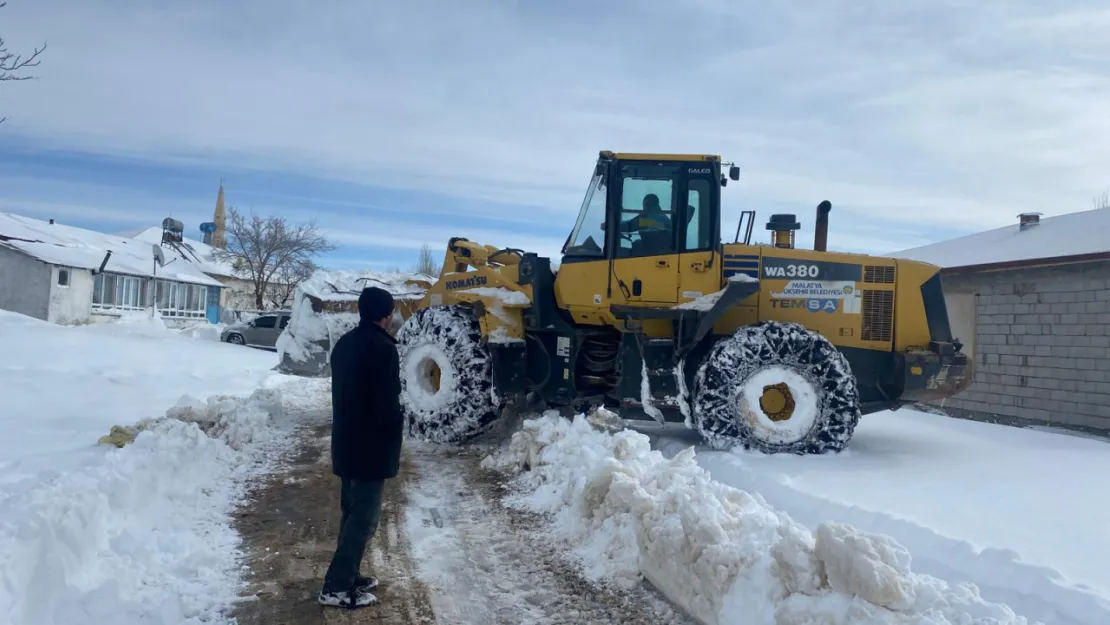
(821, 229)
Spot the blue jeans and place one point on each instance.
(361, 505)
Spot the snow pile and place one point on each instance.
(720, 553)
(742, 277)
(325, 308)
(144, 534)
(906, 475)
(346, 285)
(309, 335)
(507, 297)
(203, 331)
(703, 303)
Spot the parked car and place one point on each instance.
(261, 332)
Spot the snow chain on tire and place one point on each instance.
(447, 338)
(823, 406)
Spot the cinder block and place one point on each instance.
(1068, 297)
(1085, 296)
(1096, 329)
(1077, 307)
(1103, 295)
(1097, 307)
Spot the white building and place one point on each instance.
(238, 293)
(65, 274)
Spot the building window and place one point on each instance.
(63, 277)
(173, 299)
(176, 299)
(117, 291)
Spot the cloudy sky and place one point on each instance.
(399, 123)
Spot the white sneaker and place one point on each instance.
(350, 600)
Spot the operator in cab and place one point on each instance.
(652, 224)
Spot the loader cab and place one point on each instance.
(647, 205)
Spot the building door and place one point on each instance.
(212, 306)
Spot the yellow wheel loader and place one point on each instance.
(649, 313)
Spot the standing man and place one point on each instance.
(366, 437)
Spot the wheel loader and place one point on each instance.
(767, 346)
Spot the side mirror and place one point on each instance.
(734, 172)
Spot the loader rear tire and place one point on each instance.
(446, 376)
(776, 388)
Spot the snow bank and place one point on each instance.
(906, 475)
(720, 553)
(144, 534)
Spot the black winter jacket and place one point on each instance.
(367, 424)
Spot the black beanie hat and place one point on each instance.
(375, 304)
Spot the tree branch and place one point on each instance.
(12, 63)
(275, 256)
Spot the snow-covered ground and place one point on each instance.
(725, 555)
(141, 534)
(1021, 513)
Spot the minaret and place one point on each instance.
(219, 237)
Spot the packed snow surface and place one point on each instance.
(724, 555)
(92, 533)
(76, 247)
(1018, 512)
(65, 386)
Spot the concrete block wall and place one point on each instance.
(1042, 346)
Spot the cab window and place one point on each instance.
(588, 236)
(699, 226)
(647, 216)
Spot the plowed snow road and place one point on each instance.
(447, 551)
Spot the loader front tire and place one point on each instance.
(776, 388)
(446, 376)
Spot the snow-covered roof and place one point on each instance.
(202, 254)
(58, 244)
(346, 285)
(1073, 234)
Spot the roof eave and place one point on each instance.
(1028, 263)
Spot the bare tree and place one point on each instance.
(426, 263)
(287, 278)
(261, 247)
(1102, 200)
(12, 64)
